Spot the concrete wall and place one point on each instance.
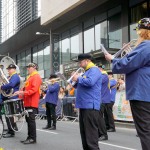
(52, 9)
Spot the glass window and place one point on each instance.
(74, 45)
(18, 60)
(115, 31)
(138, 12)
(22, 64)
(101, 34)
(65, 50)
(35, 54)
(28, 56)
(89, 40)
(60, 54)
(47, 57)
(133, 34)
(40, 59)
(134, 2)
(47, 73)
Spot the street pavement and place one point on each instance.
(67, 137)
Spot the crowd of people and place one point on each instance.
(95, 92)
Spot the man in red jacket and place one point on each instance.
(31, 94)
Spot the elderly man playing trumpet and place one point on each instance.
(88, 101)
(136, 66)
(51, 102)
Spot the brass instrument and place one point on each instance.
(4, 63)
(80, 72)
(45, 84)
(3, 81)
(126, 49)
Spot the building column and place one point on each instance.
(54, 52)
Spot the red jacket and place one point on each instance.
(32, 90)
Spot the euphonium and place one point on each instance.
(126, 49)
(4, 63)
(80, 72)
(3, 81)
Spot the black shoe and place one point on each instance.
(24, 140)
(29, 141)
(111, 130)
(5, 130)
(8, 135)
(52, 128)
(16, 128)
(103, 137)
(47, 127)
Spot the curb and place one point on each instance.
(129, 125)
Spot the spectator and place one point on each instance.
(121, 84)
(113, 86)
(59, 106)
(71, 90)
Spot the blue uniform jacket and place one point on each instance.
(14, 83)
(113, 89)
(105, 91)
(52, 93)
(89, 89)
(136, 66)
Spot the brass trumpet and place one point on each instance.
(80, 72)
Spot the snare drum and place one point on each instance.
(13, 107)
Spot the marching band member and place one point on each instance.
(51, 102)
(105, 100)
(88, 101)
(14, 83)
(113, 87)
(31, 95)
(136, 66)
(106, 108)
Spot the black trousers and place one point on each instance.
(0, 112)
(11, 124)
(102, 126)
(31, 124)
(108, 115)
(88, 122)
(51, 114)
(141, 115)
